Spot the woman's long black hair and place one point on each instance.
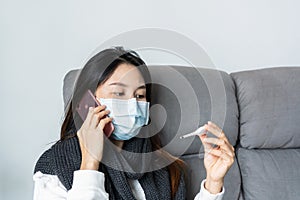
(96, 71)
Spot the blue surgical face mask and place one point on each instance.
(128, 116)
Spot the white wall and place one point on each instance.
(41, 40)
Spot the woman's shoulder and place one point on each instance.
(65, 151)
(44, 163)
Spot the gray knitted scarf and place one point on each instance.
(64, 157)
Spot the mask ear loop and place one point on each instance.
(148, 117)
(149, 122)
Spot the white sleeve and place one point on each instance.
(206, 195)
(87, 184)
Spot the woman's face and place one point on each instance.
(126, 82)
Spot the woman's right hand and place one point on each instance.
(90, 137)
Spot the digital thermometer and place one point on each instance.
(196, 132)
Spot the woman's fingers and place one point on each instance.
(89, 117)
(214, 129)
(222, 140)
(217, 131)
(210, 123)
(222, 144)
(91, 112)
(222, 154)
(90, 137)
(104, 121)
(97, 117)
(205, 145)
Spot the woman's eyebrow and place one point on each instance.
(141, 87)
(124, 85)
(119, 84)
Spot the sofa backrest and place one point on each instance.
(198, 95)
(268, 153)
(184, 98)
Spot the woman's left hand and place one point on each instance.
(217, 160)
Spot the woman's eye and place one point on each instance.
(140, 96)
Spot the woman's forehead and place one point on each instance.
(127, 74)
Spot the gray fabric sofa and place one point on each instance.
(259, 111)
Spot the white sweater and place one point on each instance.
(89, 184)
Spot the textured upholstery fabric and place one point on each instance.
(269, 156)
(270, 174)
(269, 102)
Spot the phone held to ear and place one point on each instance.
(89, 100)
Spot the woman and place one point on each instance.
(86, 164)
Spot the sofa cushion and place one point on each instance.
(270, 174)
(269, 102)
